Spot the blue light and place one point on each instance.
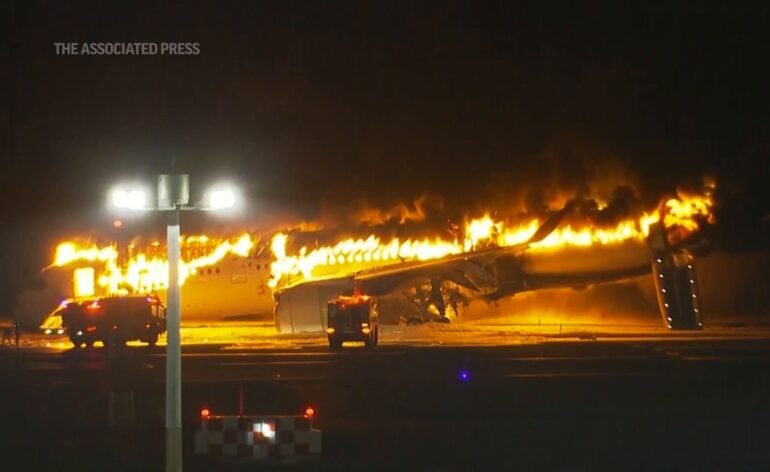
(465, 375)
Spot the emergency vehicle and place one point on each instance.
(259, 438)
(114, 320)
(352, 319)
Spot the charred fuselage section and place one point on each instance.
(417, 291)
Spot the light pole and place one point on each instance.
(173, 197)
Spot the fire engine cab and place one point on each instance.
(114, 320)
(352, 319)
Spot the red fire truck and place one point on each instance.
(352, 319)
(114, 320)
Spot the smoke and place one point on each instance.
(730, 290)
(626, 302)
(401, 213)
(426, 209)
(596, 204)
(598, 184)
(734, 285)
(566, 168)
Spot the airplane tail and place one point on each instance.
(676, 282)
(673, 271)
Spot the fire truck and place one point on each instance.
(114, 320)
(352, 318)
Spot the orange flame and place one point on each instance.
(147, 271)
(144, 273)
(350, 255)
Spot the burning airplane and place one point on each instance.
(423, 280)
(415, 279)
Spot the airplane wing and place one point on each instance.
(466, 269)
(573, 279)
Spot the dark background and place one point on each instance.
(316, 105)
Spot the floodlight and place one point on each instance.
(220, 198)
(129, 199)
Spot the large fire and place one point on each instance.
(143, 272)
(681, 214)
(147, 271)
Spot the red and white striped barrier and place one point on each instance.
(257, 437)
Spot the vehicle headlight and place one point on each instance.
(79, 333)
(266, 429)
(48, 331)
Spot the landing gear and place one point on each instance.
(335, 344)
(431, 304)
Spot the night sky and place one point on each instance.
(317, 105)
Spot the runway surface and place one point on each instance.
(544, 402)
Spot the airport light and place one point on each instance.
(134, 199)
(220, 199)
(173, 197)
(464, 375)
